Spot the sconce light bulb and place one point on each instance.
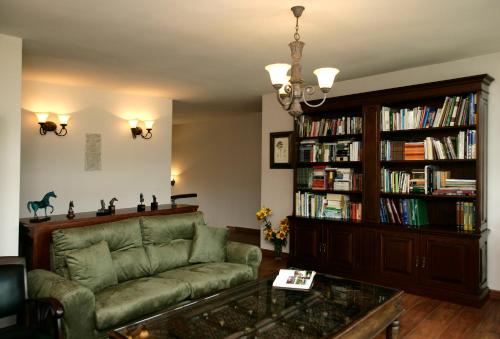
(63, 119)
(149, 124)
(133, 123)
(42, 117)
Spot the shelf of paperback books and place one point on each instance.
(330, 206)
(331, 163)
(341, 125)
(414, 212)
(462, 146)
(424, 162)
(328, 138)
(428, 196)
(459, 110)
(400, 134)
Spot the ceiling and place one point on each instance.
(209, 56)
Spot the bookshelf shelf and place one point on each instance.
(416, 258)
(427, 196)
(331, 164)
(327, 138)
(428, 162)
(319, 191)
(425, 131)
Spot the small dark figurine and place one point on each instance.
(71, 213)
(154, 204)
(103, 210)
(141, 207)
(44, 203)
(111, 206)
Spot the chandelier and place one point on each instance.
(289, 88)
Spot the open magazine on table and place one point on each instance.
(294, 279)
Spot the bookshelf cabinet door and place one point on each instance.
(340, 249)
(398, 256)
(448, 262)
(306, 244)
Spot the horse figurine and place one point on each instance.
(44, 203)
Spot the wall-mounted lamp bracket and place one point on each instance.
(49, 126)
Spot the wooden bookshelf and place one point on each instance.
(436, 259)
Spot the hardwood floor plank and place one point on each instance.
(464, 324)
(413, 316)
(436, 321)
(491, 318)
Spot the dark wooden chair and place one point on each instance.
(26, 318)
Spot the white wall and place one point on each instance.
(277, 184)
(10, 141)
(219, 160)
(129, 166)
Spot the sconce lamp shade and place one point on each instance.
(278, 74)
(42, 117)
(326, 77)
(63, 119)
(133, 123)
(149, 124)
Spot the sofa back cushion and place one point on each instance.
(124, 239)
(168, 238)
(92, 266)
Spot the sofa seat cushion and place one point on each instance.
(136, 298)
(207, 278)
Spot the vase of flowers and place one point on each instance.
(278, 236)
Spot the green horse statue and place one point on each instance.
(44, 203)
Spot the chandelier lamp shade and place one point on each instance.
(290, 89)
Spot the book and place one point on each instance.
(294, 279)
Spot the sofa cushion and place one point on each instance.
(167, 256)
(92, 266)
(123, 237)
(162, 229)
(207, 278)
(133, 299)
(209, 244)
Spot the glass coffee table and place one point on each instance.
(333, 307)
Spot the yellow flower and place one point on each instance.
(281, 235)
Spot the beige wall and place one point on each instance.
(277, 184)
(220, 160)
(129, 166)
(10, 141)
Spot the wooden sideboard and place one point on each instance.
(35, 238)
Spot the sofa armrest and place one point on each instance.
(78, 301)
(241, 253)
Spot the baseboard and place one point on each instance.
(494, 295)
(238, 229)
(270, 253)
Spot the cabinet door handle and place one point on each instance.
(423, 262)
(416, 262)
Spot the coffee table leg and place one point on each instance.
(392, 331)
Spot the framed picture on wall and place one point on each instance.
(281, 149)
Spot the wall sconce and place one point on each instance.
(172, 181)
(136, 130)
(49, 126)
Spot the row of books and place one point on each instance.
(456, 111)
(429, 180)
(331, 206)
(465, 215)
(331, 178)
(411, 212)
(463, 146)
(343, 150)
(326, 127)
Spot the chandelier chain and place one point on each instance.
(296, 36)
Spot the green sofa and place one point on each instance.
(108, 275)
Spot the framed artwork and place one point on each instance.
(281, 149)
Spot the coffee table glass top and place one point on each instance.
(257, 310)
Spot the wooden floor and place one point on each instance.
(426, 318)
